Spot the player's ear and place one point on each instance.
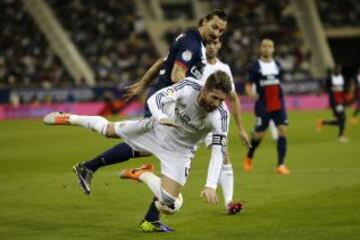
(204, 92)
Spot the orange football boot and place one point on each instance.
(134, 173)
(282, 170)
(319, 124)
(248, 164)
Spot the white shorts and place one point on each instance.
(146, 135)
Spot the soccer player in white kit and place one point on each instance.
(171, 135)
(226, 180)
(213, 64)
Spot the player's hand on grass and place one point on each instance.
(133, 90)
(210, 195)
(244, 137)
(168, 122)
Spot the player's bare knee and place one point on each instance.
(258, 135)
(110, 130)
(282, 130)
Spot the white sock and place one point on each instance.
(153, 182)
(95, 123)
(227, 183)
(273, 130)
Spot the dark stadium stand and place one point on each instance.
(249, 21)
(339, 13)
(25, 58)
(110, 35)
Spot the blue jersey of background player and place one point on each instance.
(186, 54)
(264, 88)
(335, 87)
(265, 79)
(354, 119)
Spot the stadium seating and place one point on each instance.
(249, 21)
(25, 58)
(339, 13)
(111, 36)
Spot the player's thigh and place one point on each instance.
(280, 118)
(175, 169)
(262, 122)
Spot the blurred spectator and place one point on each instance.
(25, 58)
(339, 13)
(248, 22)
(110, 35)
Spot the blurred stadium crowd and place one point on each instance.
(112, 37)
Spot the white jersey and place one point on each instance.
(195, 122)
(175, 147)
(218, 66)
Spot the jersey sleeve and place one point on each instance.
(186, 53)
(252, 74)
(158, 101)
(281, 71)
(220, 127)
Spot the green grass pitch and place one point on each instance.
(39, 197)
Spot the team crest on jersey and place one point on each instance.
(170, 92)
(187, 55)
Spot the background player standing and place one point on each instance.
(354, 119)
(335, 87)
(226, 179)
(266, 74)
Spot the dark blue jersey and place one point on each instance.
(357, 85)
(187, 51)
(267, 76)
(335, 86)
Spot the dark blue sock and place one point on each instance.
(281, 148)
(254, 144)
(153, 213)
(119, 153)
(342, 122)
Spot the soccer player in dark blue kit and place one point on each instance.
(335, 87)
(354, 119)
(265, 75)
(186, 57)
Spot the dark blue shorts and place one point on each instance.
(262, 120)
(338, 109)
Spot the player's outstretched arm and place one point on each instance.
(236, 112)
(138, 88)
(160, 100)
(250, 92)
(214, 170)
(178, 73)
